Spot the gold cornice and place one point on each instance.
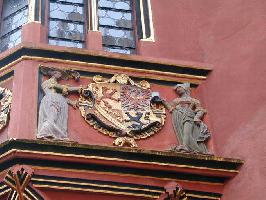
(105, 54)
(202, 196)
(1, 82)
(122, 175)
(127, 150)
(114, 67)
(153, 74)
(97, 191)
(10, 65)
(116, 187)
(96, 185)
(114, 159)
(2, 187)
(110, 186)
(4, 192)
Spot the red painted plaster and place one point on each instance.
(94, 40)
(69, 195)
(23, 120)
(231, 36)
(34, 32)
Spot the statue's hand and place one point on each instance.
(197, 121)
(80, 89)
(74, 104)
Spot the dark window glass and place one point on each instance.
(66, 24)
(117, 26)
(14, 15)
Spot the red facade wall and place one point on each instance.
(69, 195)
(231, 36)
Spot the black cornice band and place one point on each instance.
(100, 168)
(100, 59)
(7, 76)
(124, 154)
(115, 187)
(166, 157)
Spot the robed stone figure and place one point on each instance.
(53, 112)
(187, 115)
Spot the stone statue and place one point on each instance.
(187, 115)
(53, 113)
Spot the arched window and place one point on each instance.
(14, 15)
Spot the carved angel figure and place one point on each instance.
(53, 113)
(187, 115)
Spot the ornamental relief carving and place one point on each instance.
(5, 102)
(122, 109)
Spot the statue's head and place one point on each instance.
(60, 73)
(183, 89)
(56, 74)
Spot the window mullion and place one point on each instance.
(32, 10)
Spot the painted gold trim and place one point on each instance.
(91, 184)
(31, 193)
(1, 82)
(127, 150)
(122, 175)
(2, 187)
(198, 66)
(114, 159)
(91, 190)
(6, 191)
(202, 196)
(124, 69)
(174, 77)
(10, 65)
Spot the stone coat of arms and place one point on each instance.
(122, 109)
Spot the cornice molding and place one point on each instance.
(171, 72)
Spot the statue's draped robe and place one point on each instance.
(53, 113)
(192, 137)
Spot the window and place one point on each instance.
(14, 15)
(67, 23)
(121, 22)
(116, 23)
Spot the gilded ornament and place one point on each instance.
(122, 109)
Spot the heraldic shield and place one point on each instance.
(122, 109)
